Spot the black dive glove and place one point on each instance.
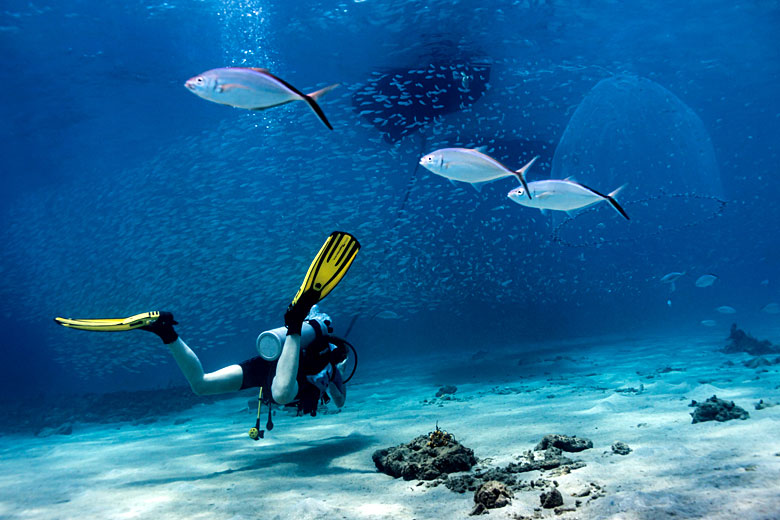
(163, 327)
(297, 313)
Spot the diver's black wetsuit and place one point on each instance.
(315, 357)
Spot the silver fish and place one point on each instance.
(771, 308)
(471, 165)
(253, 89)
(670, 278)
(706, 280)
(725, 309)
(562, 195)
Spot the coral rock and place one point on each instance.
(714, 409)
(551, 499)
(740, 341)
(493, 494)
(419, 460)
(446, 390)
(564, 442)
(620, 448)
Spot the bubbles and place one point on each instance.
(245, 33)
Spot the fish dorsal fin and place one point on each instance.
(481, 149)
(258, 69)
(571, 179)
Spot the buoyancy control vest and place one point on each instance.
(321, 356)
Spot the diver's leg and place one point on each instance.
(228, 379)
(222, 381)
(284, 387)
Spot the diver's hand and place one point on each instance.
(323, 378)
(337, 389)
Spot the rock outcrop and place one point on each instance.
(426, 457)
(714, 409)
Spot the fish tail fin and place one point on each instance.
(611, 199)
(615, 193)
(521, 175)
(311, 99)
(321, 92)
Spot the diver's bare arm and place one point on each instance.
(284, 387)
(222, 381)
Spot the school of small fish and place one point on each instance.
(220, 227)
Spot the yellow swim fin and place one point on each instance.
(111, 324)
(329, 266)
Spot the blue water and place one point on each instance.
(123, 192)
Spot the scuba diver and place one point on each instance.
(300, 364)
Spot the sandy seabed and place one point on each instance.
(200, 463)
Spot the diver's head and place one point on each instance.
(433, 162)
(322, 319)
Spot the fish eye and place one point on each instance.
(199, 80)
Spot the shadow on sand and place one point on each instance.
(309, 459)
